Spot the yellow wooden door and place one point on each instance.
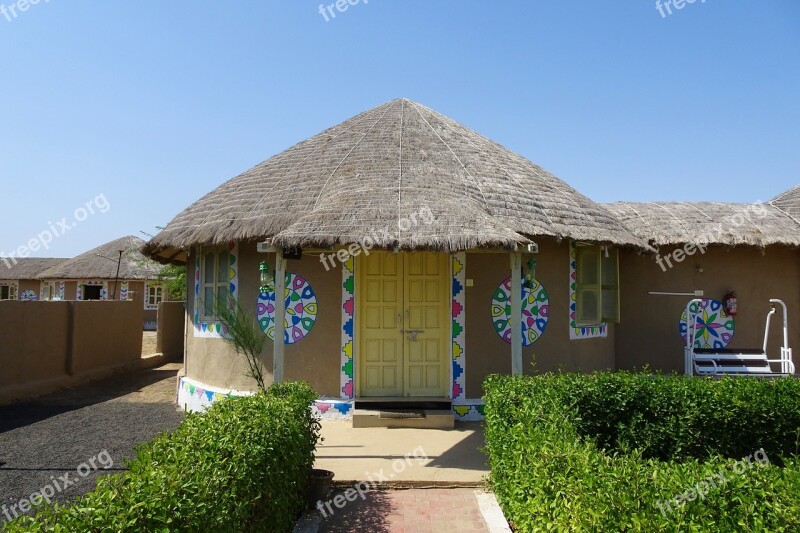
(427, 293)
(380, 356)
(404, 324)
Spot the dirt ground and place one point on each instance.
(148, 343)
(52, 436)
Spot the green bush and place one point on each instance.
(241, 466)
(612, 452)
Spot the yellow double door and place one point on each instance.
(403, 324)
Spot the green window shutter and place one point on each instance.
(588, 305)
(609, 274)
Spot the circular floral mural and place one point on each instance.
(301, 309)
(715, 328)
(29, 296)
(535, 311)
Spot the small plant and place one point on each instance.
(244, 334)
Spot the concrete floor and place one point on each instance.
(403, 457)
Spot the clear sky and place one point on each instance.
(152, 104)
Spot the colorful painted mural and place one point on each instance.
(348, 333)
(29, 296)
(535, 311)
(577, 332)
(301, 309)
(458, 354)
(715, 327)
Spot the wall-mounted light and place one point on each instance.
(530, 275)
(266, 277)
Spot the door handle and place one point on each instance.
(412, 333)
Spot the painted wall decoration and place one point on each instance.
(206, 329)
(535, 311)
(469, 411)
(577, 332)
(301, 309)
(92, 283)
(333, 409)
(123, 290)
(196, 397)
(348, 334)
(715, 328)
(61, 286)
(28, 296)
(458, 354)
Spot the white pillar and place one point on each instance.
(516, 314)
(280, 316)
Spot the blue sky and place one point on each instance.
(154, 104)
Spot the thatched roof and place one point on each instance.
(666, 223)
(789, 202)
(27, 268)
(101, 263)
(373, 170)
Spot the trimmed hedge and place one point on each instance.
(241, 466)
(633, 452)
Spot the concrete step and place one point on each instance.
(404, 418)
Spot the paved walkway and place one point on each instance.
(404, 456)
(407, 511)
(101, 422)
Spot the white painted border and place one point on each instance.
(491, 512)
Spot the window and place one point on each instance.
(47, 292)
(216, 280)
(8, 292)
(92, 292)
(597, 287)
(154, 296)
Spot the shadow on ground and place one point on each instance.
(27, 412)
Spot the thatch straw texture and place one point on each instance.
(27, 268)
(668, 223)
(101, 263)
(370, 172)
(789, 202)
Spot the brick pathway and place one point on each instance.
(408, 511)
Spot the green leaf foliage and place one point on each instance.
(632, 452)
(241, 466)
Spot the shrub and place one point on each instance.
(241, 466)
(610, 452)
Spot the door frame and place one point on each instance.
(358, 265)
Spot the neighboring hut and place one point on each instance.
(405, 234)
(21, 278)
(116, 270)
(718, 248)
(789, 202)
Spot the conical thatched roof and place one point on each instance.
(27, 268)
(667, 223)
(789, 202)
(366, 174)
(101, 263)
